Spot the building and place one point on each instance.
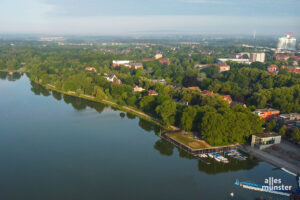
(118, 63)
(158, 56)
(238, 60)
(208, 92)
(279, 56)
(257, 57)
(223, 67)
(136, 65)
(265, 140)
(117, 81)
(287, 43)
(110, 78)
(291, 120)
(163, 61)
(137, 88)
(241, 55)
(289, 117)
(227, 98)
(273, 69)
(152, 93)
(267, 113)
(295, 70)
(163, 81)
(91, 69)
(201, 66)
(113, 78)
(147, 59)
(253, 57)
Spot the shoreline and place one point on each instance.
(112, 104)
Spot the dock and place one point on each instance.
(199, 151)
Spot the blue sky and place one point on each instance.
(94, 17)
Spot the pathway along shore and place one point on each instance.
(273, 159)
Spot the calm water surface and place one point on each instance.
(57, 147)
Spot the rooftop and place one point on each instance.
(266, 135)
(265, 110)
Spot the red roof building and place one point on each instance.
(295, 70)
(207, 92)
(281, 57)
(273, 69)
(223, 67)
(267, 113)
(152, 93)
(227, 98)
(91, 69)
(296, 57)
(147, 59)
(163, 61)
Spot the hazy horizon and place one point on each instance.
(116, 17)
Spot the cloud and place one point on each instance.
(119, 25)
(132, 16)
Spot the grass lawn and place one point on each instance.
(188, 140)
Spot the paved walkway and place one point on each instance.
(273, 159)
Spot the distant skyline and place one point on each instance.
(117, 17)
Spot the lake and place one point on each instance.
(58, 147)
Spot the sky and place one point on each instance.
(117, 17)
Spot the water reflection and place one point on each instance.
(130, 116)
(39, 90)
(57, 95)
(10, 77)
(162, 146)
(148, 126)
(233, 165)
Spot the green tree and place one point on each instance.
(271, 125)
(187, 118)
(166, 111)
(282, 130)
(296, 135)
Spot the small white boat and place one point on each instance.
(210, 155)
(203, 155)
(217, 159)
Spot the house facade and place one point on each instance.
(267, 113)
(265, 140)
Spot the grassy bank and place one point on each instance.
(188, 140)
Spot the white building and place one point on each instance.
(117, 63)
(110, 78)
(238, 60)
(158, 56)
(287, 43)
(257, 57)
(137, 88)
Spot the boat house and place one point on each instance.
(265, 140)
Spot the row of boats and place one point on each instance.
(219, 158)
